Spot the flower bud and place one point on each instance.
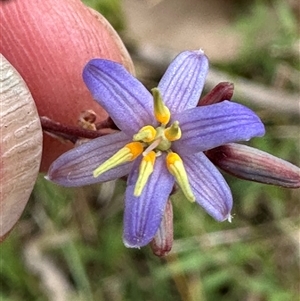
(222, 91)
(162, 242)
(252, 164)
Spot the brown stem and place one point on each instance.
(70, 132)
(107, 123)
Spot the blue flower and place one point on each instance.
(162, 142)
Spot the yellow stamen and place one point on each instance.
(145, 170)
(128, 153)
(145, 134)
(161, 111)
(173, 132)
(176, 168)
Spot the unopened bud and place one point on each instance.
(222, 91)
(252, 164)
(162, 242)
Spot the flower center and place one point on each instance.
(150, 142)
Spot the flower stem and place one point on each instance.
(69, 132)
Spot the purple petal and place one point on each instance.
(209, 186)
(75, 167)
(143, 215)
(183, 82)
(126, 100)
(210, 126)
(252, 164)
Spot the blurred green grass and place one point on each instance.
(75, 235)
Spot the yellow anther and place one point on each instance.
(173, 132)
(128, 153)
(145, 170)
(136, 148)
(145, 134)
(161, 111)
(176, 168)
